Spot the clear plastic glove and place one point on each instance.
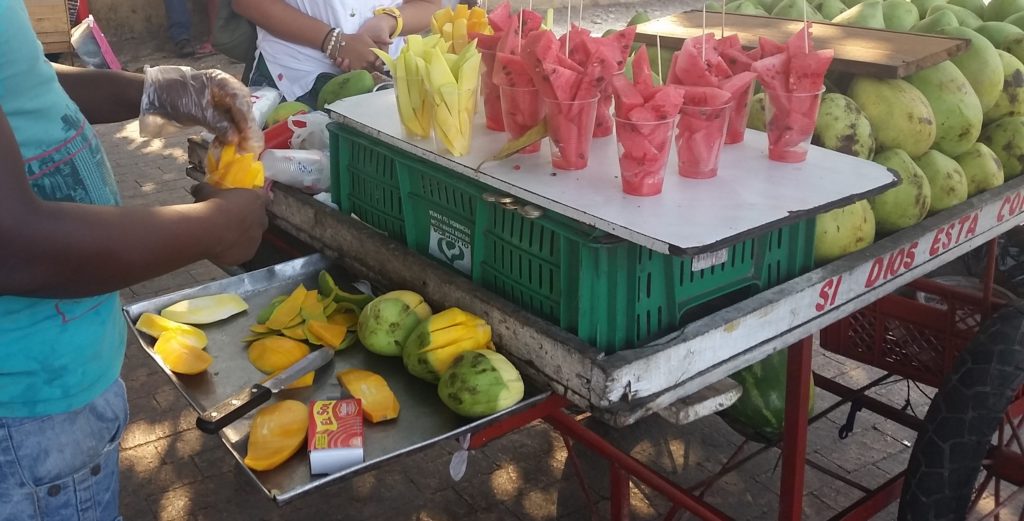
(174, 97)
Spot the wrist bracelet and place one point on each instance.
(323, 42)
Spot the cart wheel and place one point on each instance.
(942, 475)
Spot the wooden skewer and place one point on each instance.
(657, 39)
(703, 26)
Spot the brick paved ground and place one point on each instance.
(170, 471)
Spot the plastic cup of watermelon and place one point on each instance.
(491, 93)
(603, 121)
(643, 154)
(700, 135)
(570, 131)
(521, 110)
(417, 115)
(789, 121)
(738, 119)
(453, 129)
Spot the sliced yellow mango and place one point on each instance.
(205, 310)
(288, 310)
(330, 334)
(274, 353)
(379, 402)
(311, 307)
(260, 328)
(278, 431)
(179, 356)
(297, 332)
(155, 325)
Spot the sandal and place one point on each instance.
(205, 49)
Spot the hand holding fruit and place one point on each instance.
(379, 29)
(355, 53)
(173, 97)
(242, 218)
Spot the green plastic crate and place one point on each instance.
(612, 293)
(364, 182)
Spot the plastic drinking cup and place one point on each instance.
(521, 110)
(571, 131)
(738, 119)
(643, 154)
(453, 109)
(414, 105)
(491, 93)
(700, 135)
(789, 121)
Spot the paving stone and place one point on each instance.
(184, 444)
(147, 430)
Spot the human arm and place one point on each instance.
(104, 96)
(416, 16)
(65, 250)
(292, 25)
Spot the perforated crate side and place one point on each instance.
(365, 182)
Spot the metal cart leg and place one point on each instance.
(794, 445)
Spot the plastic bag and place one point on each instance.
(313, 135)
(91, 46)
(304, 169)
(264, 100)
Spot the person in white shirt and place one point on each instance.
(302, 44)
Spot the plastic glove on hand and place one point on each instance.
(175, 97)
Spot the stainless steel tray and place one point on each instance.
(423, 421)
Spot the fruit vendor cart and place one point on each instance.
(629, 309)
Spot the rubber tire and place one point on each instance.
(962, 419)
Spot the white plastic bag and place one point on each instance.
(264, 101)
(304, 169)
(312, 136)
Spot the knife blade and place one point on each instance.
(233, 408)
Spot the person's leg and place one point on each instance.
(211, 16)
(64, 466)
(179, 26)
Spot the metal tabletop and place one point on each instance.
(424, 419)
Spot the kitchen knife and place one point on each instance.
(220, 416)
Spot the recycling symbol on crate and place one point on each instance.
(449, 242)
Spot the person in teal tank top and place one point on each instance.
(68, 247)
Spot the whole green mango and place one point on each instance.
(1006, 139)
(956, 108)
(480, 383)
(904, 205)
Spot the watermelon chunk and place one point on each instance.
(540, 42)
(601, 65)
(643, 154)
(564, 83)
(667, 101)
(700, 134)
(769, 47)
(790, 122)
(491, 92)
(740, 88)
(807, 67)
(627, 98)
(623, 41)
(501, 17)
(511, 71)
(486, 42)
(643, 77)
(730, 42)
(532, 20)
(773, 72)
(579, 51)
(694, 62)
(603, 125)
(570, 130)
(737, 60)
(705, 97)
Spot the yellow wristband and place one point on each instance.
(391, 11)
